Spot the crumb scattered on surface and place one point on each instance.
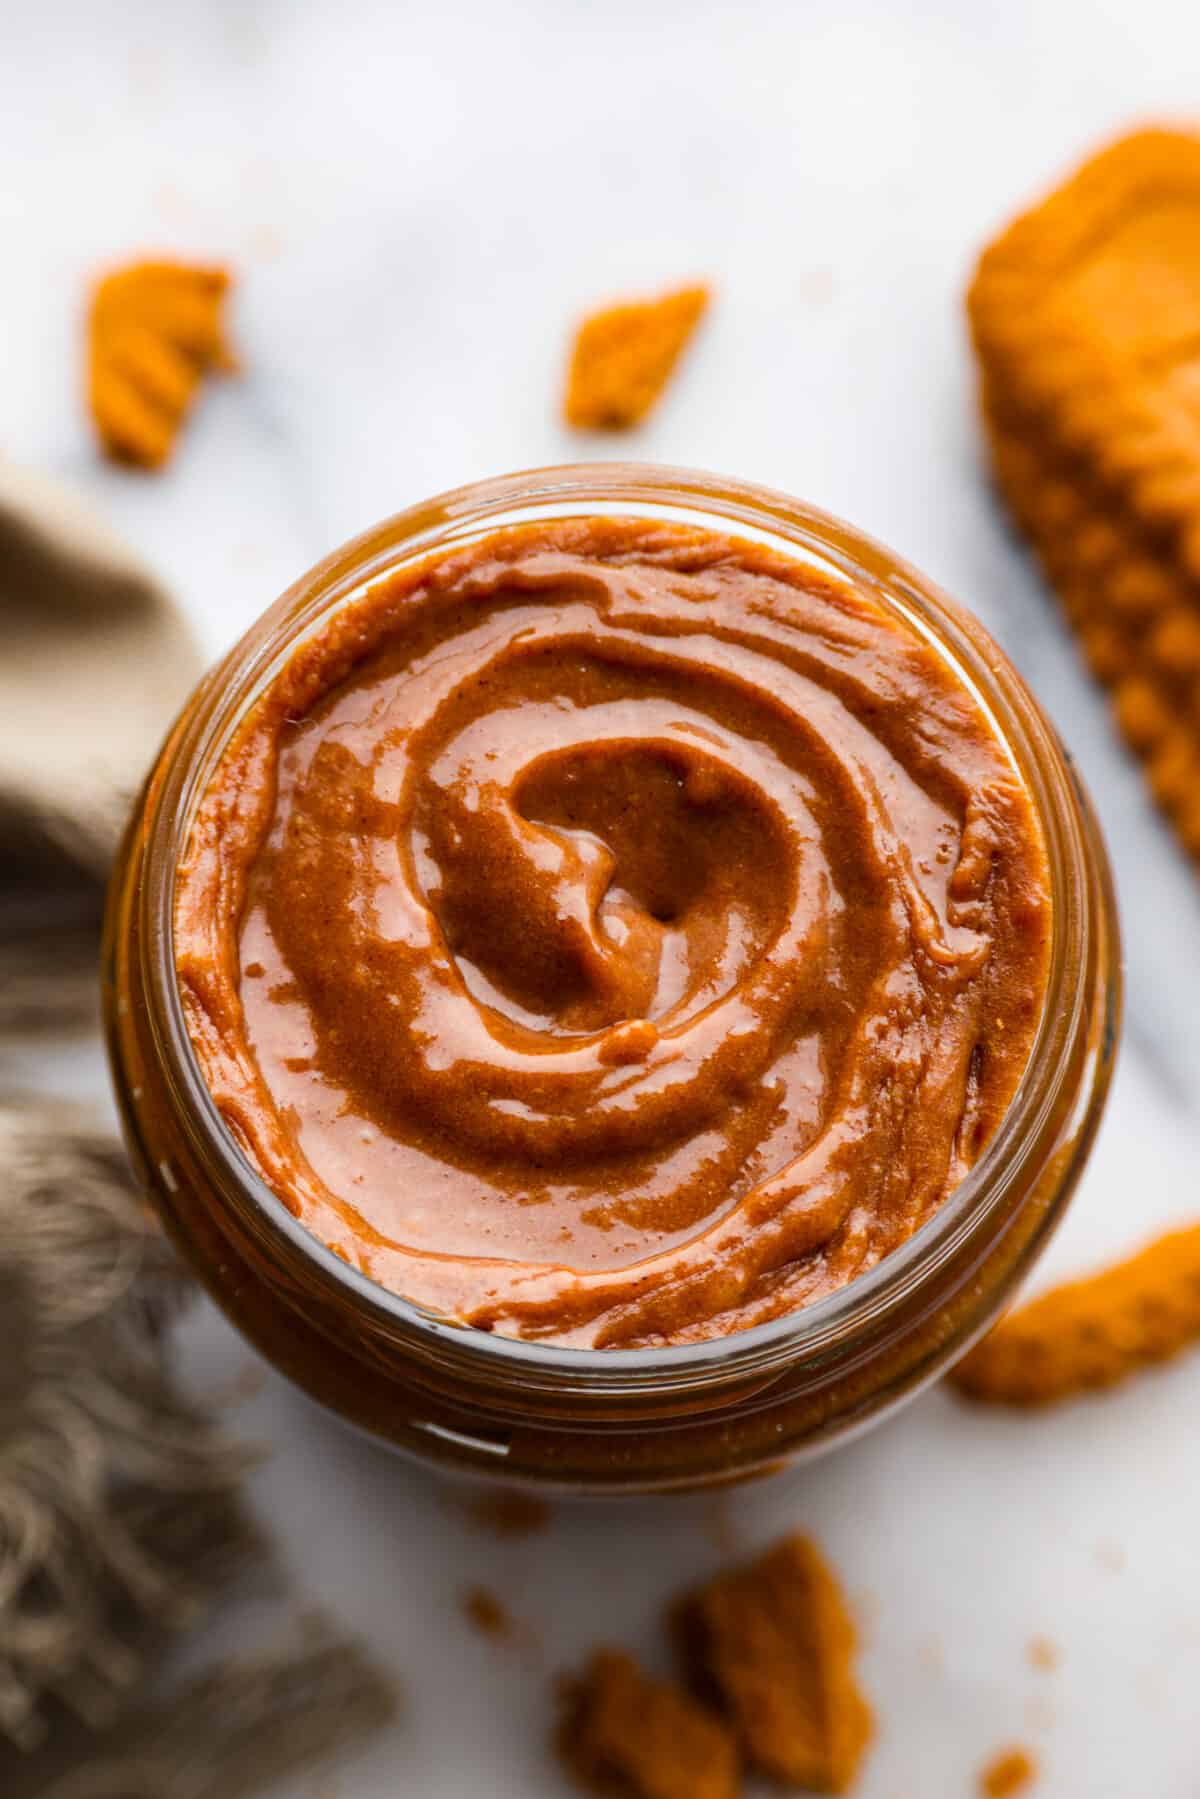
(773, 1642)
(625, 1734)
(1110, 1557)
(623, 358)
(155, 329)
(509, 1513)
(1044, 1654)
(1011, 1771)
(1092, 1332)
(486, 1612)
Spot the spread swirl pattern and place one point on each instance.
(614, 932)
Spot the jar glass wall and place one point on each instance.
(590, 1420)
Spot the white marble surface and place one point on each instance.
(418, 200)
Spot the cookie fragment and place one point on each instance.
(1008, 1772)
(1091, 1333)
(623, 358)
(1085, 315)
(154, 331)
(774, 1642)
(1011, 1771)
(488, 1614)
(636, 1738)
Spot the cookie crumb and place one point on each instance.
(1044, 1654)
(486, 1612)
(623, 358)
(1011, 1771)
(774, 1644)
(624, 1734)
(155, 329)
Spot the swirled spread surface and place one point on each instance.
(614, 932)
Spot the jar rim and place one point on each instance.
(805, 532)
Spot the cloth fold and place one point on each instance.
(120, 1519)
(237, 1727)
(122, 1516)
(94, 663)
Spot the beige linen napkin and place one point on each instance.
(94, 662)
(121, 1515)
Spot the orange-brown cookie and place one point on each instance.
(154, 330)
(1135, 619)
(623, 358)
(1092, 1332)
(1086, 314)
(774, 1643)
(636, 1738)
(1086, 318)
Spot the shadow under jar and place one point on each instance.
(590, 1373)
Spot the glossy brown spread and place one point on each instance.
(614, 932)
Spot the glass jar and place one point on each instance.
(609, 1420)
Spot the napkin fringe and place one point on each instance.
(119, 1520)
(246, 1722)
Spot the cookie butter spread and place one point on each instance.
(613, 932)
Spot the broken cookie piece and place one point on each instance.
(635, 1738)
(623, 358)
(775, 1645)
(1009, 1772)
(488, 1614)
(1093, 1332)
(154, 331)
